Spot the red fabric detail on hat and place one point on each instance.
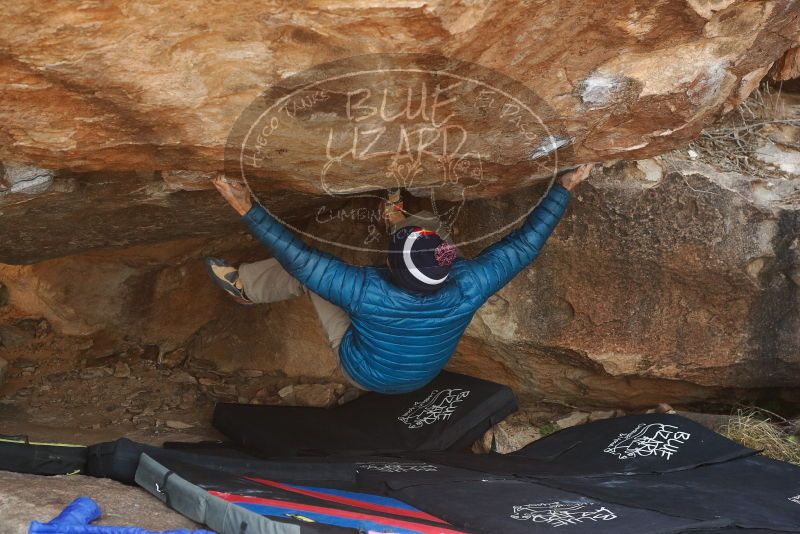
(424, 231)
(445, 254)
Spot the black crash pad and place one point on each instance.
(648, 443)
(20, 455)
(449, 414)
(119, 459)
(715, 487)
(260, 499)
(753, 492)
(636, 444)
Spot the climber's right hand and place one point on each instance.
(236, 193)
(573, 178)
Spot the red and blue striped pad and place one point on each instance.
(332, 516)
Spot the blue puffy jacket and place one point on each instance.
(399, 341)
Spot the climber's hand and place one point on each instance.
(573, 178)
(392, 209)
(236, 193)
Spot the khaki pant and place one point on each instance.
(267, 281)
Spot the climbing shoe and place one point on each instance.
(226, 276)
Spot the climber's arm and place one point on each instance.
(329, 277)
(498, 264)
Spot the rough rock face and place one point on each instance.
(26, 498)
(146, 85)
(148, 96)
(668, 281)
(656, 284)
(81, 212)
(788, 67)
(160, 296)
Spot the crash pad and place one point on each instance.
(449, 414)
(20, 455)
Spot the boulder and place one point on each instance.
(182, 377)
(599, 415)
(148, 101)
(668, 281)
(78, 97)
(314, 395)
(512, 434)
(173, 359)
(122, 370)
(178, 425)
(573, 419)
(788, 66)
(26, 498)
(653, 289)
(671, 279)
(25, 179)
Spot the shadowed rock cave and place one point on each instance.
(667, 282)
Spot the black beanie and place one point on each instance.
(419, 259)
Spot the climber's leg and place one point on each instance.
(335, 323)
(267, 281)
(333, 319)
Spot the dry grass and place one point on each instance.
(732, 141)
(763, 430)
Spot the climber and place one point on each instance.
(394, 327)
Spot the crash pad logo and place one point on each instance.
(438, 406)
(396, 467)
(795, 499)
(655, 439)
(562, 513)
(442, 129)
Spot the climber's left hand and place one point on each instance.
(236, 193)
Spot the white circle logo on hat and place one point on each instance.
(416, 273)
